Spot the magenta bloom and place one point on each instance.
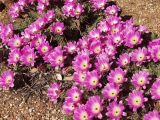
(136, 100)
(80, 113)
(139, 55)
(94, 106)
(117, 76)
(155, 90)
(15, 42)
(49, 16)
(103, 26)
(102, 64)
(92, 79)
(54, 92)
(154, 50)
(98, 4)
(80, 78)
(41, 8)
(55, 57)
(94, 34)
(38, 39)
(124, 60)
(132, 39)
(83, 43)
(68, 106)
(68, 9)
(140, 79)
(110, 49)
(112, 10)
(74, 94)
(14, 10)
(115, 110)
(77, 10)
(81, 62)
(110, 91)
(14, 56)
(28, 56)
(113, 21)
(57, 28)
(71, 47)
(96, 47)
(116, 38)
(152, 115)
(44, 48)
(7, 79)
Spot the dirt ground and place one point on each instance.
(12, 105)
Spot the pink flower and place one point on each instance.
(110, 49)
(7, 79)
(103, 26)
(44, 48)
(123, 60)
(133, 39)
(14, 10)
(154, 50)
(116, 38)
(49, 16)
(38, 39)
(95, 47)
(152, 115)
(68, 107)
(81, 62)
(54, 92)
(140, 79)
(155, 90)
(14, 56)
(80, 113)
(71, 47)
(102, 64)
(28, 56)
(77, 10)
(94, 106)
(136, 100)
(110, 91)
(115, 110)
(98, 4)
(139, 55)
(94, 34)
(83, 43)
(57, 28)
(112, 10)
(15, 42)
(74, 94)
(80, 78)
(55, 57)
(68, 8)
(117, 76)
(92, 80)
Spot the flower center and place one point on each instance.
(137, 101)
(112, 93)
(96, 108)
(84, 64)
(116, 111)
(141, 81)
(44, 49)
(118, 78)
(94, 81)
(59, 60)
(84, 116)
(140, 57)
(134, 40)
